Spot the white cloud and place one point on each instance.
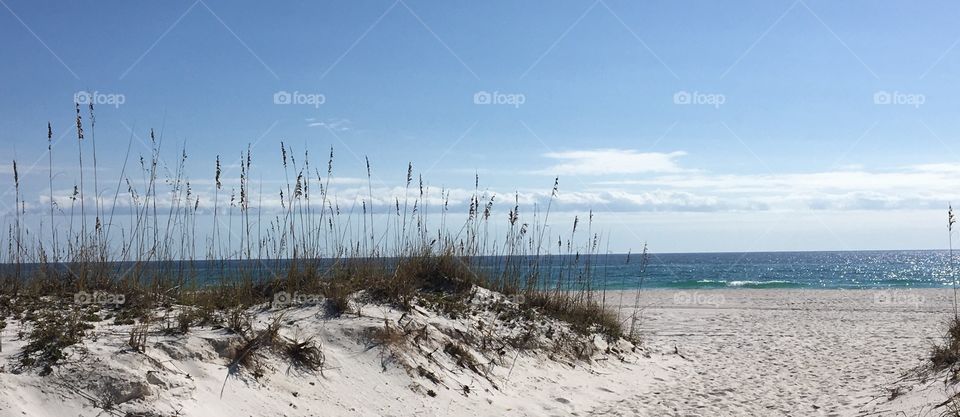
(643, 182)
(337, 125)
(940, 177)
(916, 186)
(611, 161)
(909, 187)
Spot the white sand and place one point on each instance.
(741, 353)
(184, 374)
(787, 352)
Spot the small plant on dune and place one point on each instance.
(344, 280)
(188, 317)
(389, 338)
(52, 333)
(386, 336)
(238, 321)
(127, 316)
(138, 336)
(338, 295)
(945, 355)
(246, 354)
(462, 356)
(185, 319)
(305, 353)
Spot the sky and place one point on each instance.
(692, 126)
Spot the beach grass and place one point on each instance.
(135, 239)
(945, 355)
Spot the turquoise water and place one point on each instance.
(866, 269)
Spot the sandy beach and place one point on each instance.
(784, 352)
(704, 353)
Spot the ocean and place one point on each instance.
(813, 270)
(848, 270)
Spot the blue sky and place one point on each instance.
(695, 126)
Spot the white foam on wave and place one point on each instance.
(748, 283)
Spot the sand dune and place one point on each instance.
(705, 353)
(559, 373)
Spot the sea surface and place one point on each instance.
(813, 270)
(849, 270)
